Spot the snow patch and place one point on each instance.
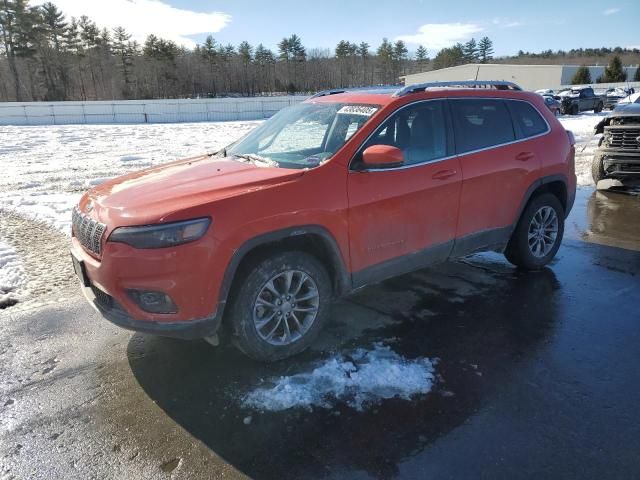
(12, 276)
(360, 379)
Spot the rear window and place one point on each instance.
(528, 120)
(481, 123)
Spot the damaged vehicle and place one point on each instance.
(615, 95)
(579, 100)
(618, 153)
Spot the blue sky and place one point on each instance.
(532, 26)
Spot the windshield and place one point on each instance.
(303, 136)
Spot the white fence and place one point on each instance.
(143, 111)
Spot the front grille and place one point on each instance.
(88, 231)
(622, 137)
(102, 298)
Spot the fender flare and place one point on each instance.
(342, 277)
(539, 183)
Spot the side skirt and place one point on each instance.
(488, 240)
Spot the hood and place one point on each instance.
(151, 195)
(626, 109)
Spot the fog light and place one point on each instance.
(153, 302)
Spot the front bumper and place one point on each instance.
(617, 163)
(112, 311)
(104, 283)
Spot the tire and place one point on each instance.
(598, 108)
(574, 109)
(518, 251)
(597, 170)
(256, 302)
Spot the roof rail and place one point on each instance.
(421, 87)
(370, 88)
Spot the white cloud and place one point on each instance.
(440, 35)
(144, 17)
(506, 23)
(610, 11)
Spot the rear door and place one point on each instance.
(405, 217)
(498, 167)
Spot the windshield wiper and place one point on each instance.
(256, 159)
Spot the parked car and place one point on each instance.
(545, 91)
(343, 190)
(633, 98)
(576, 100)
(618, 153)
(552, 104)
(615, 95)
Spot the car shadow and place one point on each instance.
(479, 317)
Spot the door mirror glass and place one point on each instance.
(382, 156)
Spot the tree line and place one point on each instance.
(614, 72)
(47, 56)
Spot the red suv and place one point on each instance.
(346, 189)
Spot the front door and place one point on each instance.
(403, 218)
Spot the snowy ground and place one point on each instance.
(12, 276)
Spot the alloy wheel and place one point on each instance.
(286, 307)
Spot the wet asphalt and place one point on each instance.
(537, 378)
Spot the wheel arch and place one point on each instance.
(313, 239)
(554, 184)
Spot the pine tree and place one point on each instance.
(18, 33)
(385, 56)
(471, 51)
(582, 76)
(422, 57)
(449, 57)
(613, 72)
(485, 49)
(121, 50)
(363, 52)
(55, 26)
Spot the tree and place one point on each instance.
(582, 76)
(613, 72)
(385, 57)
(400, 55)
(122, 51)
(449, 57)
(18, 36)
(362, 51)
(471, 51)
(485, 50)
(422, 57)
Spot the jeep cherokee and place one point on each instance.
(343, 190)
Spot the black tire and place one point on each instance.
(248, 340)
(574, 109)
(518, 251)
(597, 169)
(598, 108)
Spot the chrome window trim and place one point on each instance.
(404, 167)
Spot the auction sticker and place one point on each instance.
(358, 110)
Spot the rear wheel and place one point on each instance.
(574, 109)
(281, 306)
(538, 234)
(598, 108)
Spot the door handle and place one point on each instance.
(524, 156)
(444, 174)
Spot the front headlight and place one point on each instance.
(160, 236)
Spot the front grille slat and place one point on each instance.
(624, 138)
(88, 231)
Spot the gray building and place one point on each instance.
(529, 77)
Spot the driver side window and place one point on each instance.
(418, 130)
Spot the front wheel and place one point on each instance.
(281, 306)
(538, 234)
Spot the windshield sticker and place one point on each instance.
(358, 110)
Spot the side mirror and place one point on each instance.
(381, 156)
